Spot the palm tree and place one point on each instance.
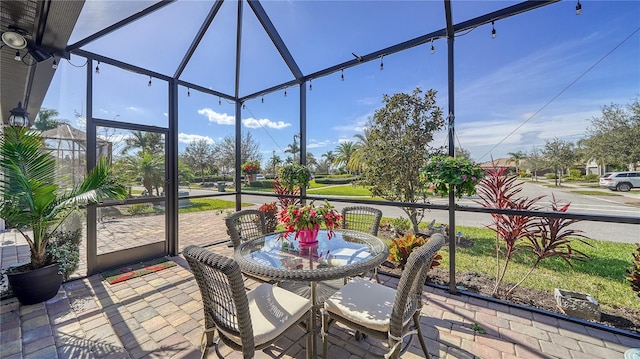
(147, 168)
(31, 197)
(149, 142)
(357, 161)
(516, 157)
(344, 152)
(294, 149)
(330, 157)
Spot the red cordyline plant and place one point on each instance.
(543, 237)
(633, 272)
(285, 202)
(552, 238)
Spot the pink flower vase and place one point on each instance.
(308, 237)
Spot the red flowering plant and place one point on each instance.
(310, 216)
(251, 167)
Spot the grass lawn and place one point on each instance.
(596, 193)
(209, 204)
(602, 275)
(341, 190)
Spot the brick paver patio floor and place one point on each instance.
(159, 315)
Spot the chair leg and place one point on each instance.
(416, 322)
(323, 335)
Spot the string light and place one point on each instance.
(18, 57)
(578, 8)
(55, 64)
(342, 75)
(98, 68)
(433, 49)
(493, 30)
(310, 85)
(285, 92)
(188, 92)
(219, 101)
(381, 62)
(244, 107)
(149, 83)
(262, 99)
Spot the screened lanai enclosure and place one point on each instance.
(139, 80)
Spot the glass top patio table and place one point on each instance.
(346, 253)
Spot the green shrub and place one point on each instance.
(262, 184)
(337, 180)
(575, 174)
(400, 249)
(138, 208)
(592, 177)
(65, 248)
(401, 224)
(550, 175)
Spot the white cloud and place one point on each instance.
(188, 138)
(134, 109)
(318, 144)
(264, 122)
(215, 117)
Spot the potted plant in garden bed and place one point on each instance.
(250, 169)
(33, 200)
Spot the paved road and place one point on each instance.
(627, 233)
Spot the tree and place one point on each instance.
(535, 162)
(344, 152)
(274, 161)
(399, 146)
(294, 150)
(199, 155)
(516, 157)
(46, 121)
(462, 153)
(357, 161)
(613, 137)
(329, 158)
(226, 150)
(559, 155)
(149, 142)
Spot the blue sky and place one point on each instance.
(545, 75)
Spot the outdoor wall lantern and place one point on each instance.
(18, 117)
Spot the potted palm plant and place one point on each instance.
(32, 200)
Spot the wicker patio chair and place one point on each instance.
(244, 321)
(363, 219)
(244, 225)
(381, 312)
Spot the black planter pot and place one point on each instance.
(36, 286)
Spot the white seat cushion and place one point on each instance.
(273, 310)
(363, 302)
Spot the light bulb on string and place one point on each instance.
(578, 8)
(433, 49)
(244, 107)
(55, 64)
(18, 57)
(493, 30)
(188, 92)
(381, 62)
(149, 83)
(98, 68)
(219, 101)
(341, 74)
(262, 99)
(310, 85)
(285, 92)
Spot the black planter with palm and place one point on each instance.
(32, 200)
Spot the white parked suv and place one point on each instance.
(621, 181)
